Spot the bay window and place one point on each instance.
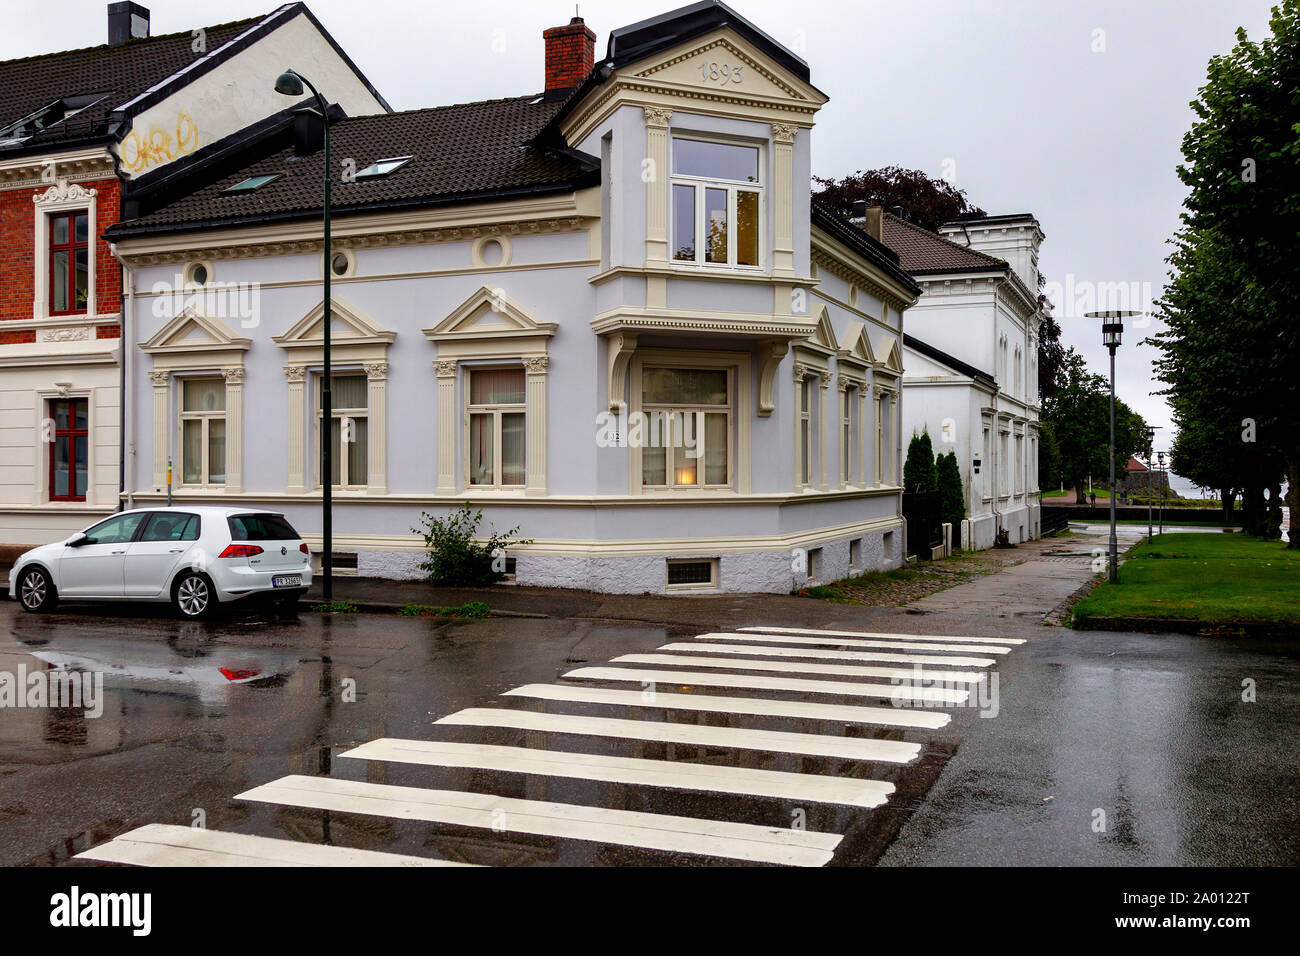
(497, 427)
(686, 441)
(349, 432)
(203, 431)
(716, 203)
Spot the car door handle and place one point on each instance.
(119, 552)
(175, 550)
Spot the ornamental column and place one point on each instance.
(821, 428)
(655, 176)
(161, 384)
(783, 198)
(535, 450)
(234, 428)
(446, 426)
(297, 457)
(377, 427)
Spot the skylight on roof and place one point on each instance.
(252, 183)
(381, 168)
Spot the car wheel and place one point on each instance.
(194, 596)
(36, 591)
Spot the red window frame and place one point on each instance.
(75, 436)
(72, 246)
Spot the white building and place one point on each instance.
(608, 313)
(970, 361)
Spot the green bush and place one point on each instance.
(952, 505)
(918, 470)
(470, 609)
(454, 555)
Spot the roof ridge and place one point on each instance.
(139, 41)
(434, 109)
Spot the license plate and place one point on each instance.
(287, 581)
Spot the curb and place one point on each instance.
(1155, 625)
(379, 607)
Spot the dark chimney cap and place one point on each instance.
(127, 21)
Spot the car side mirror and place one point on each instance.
(77, 540)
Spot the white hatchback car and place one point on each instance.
(195, 558)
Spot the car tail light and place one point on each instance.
(304, 549)
(232, 674)
(240, 551)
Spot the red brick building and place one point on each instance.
(86, 136)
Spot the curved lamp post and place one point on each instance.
(290, 83)
(1151, 438)
(1112, 328)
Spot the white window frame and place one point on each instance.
(678, 413)
(61, 199)
(805, 436)
(341, 413)
(848, 401)
(183, 416)
(496, 410)
(732, 187)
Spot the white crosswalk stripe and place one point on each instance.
(914, 672)
(818, 632)
(942, 695)
(674, 774)
(921, 646)
(161, 844)
(820, 653)
(808, 745)
(652, 831)
(803, 667)
(759, 706)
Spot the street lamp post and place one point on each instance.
(1163, 483)
(1112, 329)
(1151, 437)
(290, 83)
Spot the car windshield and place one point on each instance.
(260, 528)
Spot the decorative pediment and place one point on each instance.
(856, 347)
(489, 314)
(349, 326)
(64, 192)
(889, 357)
(822, 341)
(712, 65)
(191, 331)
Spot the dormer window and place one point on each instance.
(383, 167)
(716, 203)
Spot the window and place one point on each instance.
(260, 527)
(349, 432)
(381, 168)
(118, 529)
(170, 526)
(688, 427)
(805, 429)
(692, 574)
(815, 564)
(716, 207)
(69, 262)
(497, 430)
(68, 450)
(846, 434)
(252, 184)
(855, 554)
(203, 431)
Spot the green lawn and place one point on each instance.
(1211, 578)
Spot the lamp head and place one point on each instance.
(289, 83)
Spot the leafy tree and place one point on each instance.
(1078, 414)
(926, 202)
(918, 470)
(951, 491)
(1049, 456)
(1231, 345)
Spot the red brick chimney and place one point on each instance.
(570, 55)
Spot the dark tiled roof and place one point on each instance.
(460, 152)
(858, 239)
(123, 72)
(922, 252)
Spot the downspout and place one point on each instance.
(122, 326)
(996, 442)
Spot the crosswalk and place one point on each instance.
(759, 722)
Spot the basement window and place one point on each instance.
(381, 168)
(692, 574)
(251, 184)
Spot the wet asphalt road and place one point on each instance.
(1147, 727)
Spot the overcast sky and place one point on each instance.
(1073, 111)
